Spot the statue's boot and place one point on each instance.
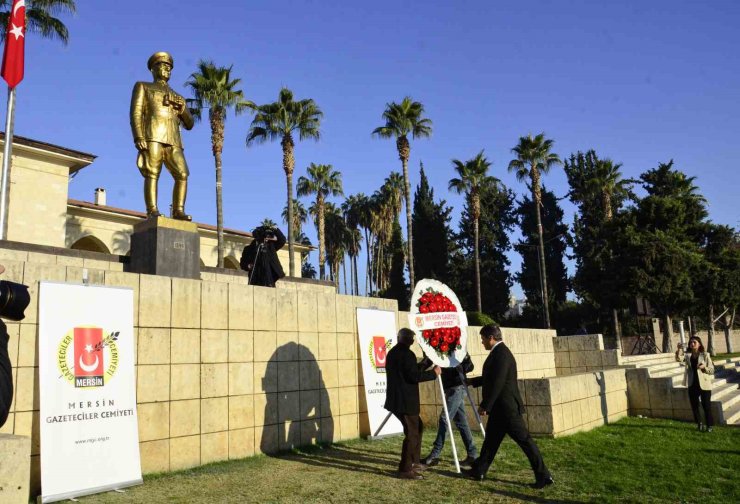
(150, 197)
(179, 214)
(178, 200)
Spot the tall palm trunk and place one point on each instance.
(357, 280)
(217, 143)
(368, 249)
(607, 207)
(288, 164)
(475, 200)
(322, 244)
(668, 332)
(344, 274)
(727, 326)
(404, 150)
(710, 331)
(617, 330)
(537, 197)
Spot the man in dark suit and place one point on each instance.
(402, 399)
(504, 406)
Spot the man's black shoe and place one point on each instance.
(468, 462)
(430, 461)
(543, 483)
(472, 474)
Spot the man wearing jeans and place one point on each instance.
(453, 382)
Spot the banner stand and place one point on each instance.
(377, 432)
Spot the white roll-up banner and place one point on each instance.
(377, 333)
(87, 386)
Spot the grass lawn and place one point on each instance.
(635, 460)
(726, 355)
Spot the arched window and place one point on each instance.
(90, 243)
(230, 262)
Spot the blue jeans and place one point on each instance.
(455, 398)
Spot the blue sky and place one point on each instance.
(640, 82)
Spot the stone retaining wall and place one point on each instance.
(224, 370)
(583, 353)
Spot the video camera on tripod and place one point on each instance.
(263, 234)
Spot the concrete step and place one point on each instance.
(646, 359)
(667, 366)
(732, 415)
(672, 371)
(728, 366)
(723, 390)
(717, 381)
(731, 400)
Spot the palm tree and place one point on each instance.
(40, 18)
(403, 119)
(322, 181)
(607, 185)
(214, 89)
(394, 189)
(472, 176)
(268, 222)
(352, 208)
(280, 121)
(364, 220)
(299, 218)
(533, 158)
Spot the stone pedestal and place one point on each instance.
(162, 246)
(15, 468)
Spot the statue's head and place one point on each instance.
(160, 64)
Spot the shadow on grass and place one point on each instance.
(683, 426)
(726, 452)
(344, 458)
(533, 498)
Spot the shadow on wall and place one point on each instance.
(301, 408)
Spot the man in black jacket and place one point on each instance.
(260, 259)
(6, 375)
(504, 406)
(402, 399)
(6, 371)
(453, 382)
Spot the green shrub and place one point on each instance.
(479, 319)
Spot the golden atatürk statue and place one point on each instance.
(156, 114)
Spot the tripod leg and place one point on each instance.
(254, 264)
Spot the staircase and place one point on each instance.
(664, 381)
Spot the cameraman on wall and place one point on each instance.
(6, 372)
(14, 299)
(260, 259)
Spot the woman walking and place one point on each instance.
(698, 378)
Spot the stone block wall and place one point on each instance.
(224, 370)
(14, 468)
(564, 405)
(583, 353)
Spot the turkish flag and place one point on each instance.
(88, 351)
(15, 37)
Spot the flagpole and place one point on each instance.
(7, 153)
